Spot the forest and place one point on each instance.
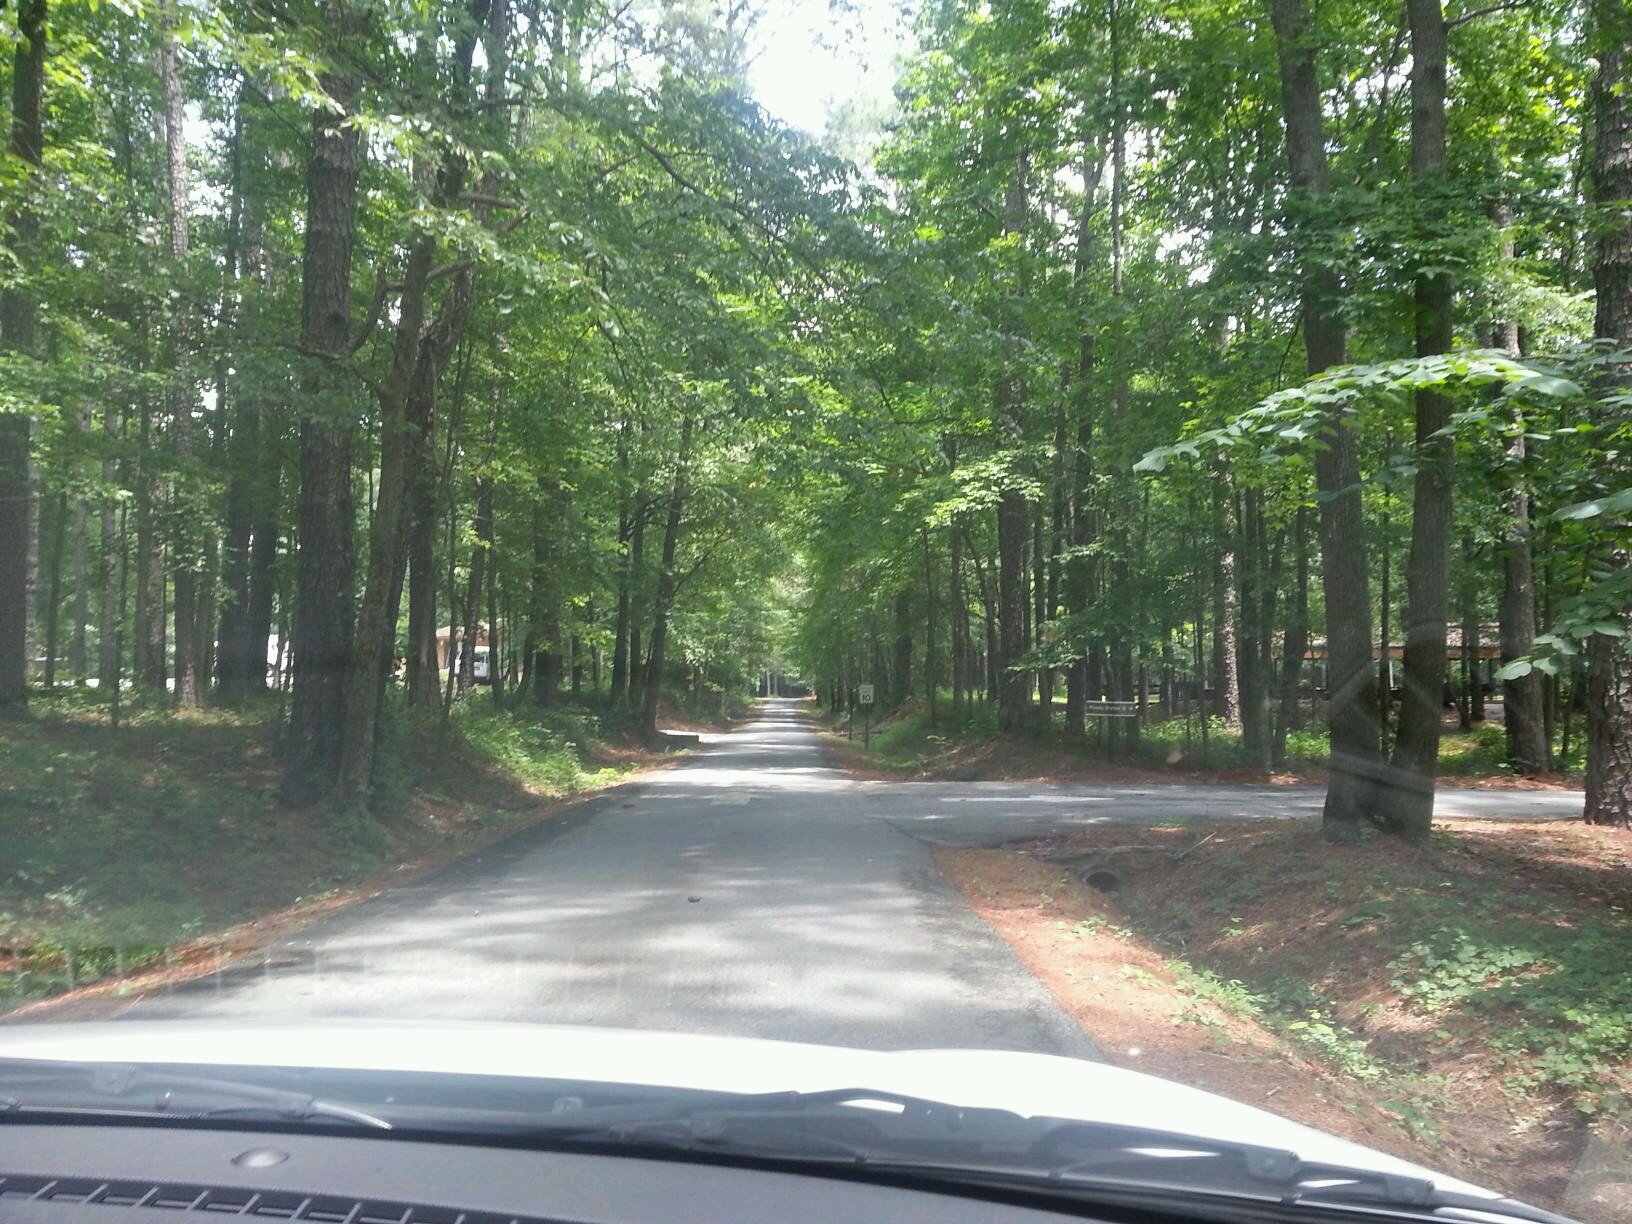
(1259, 364)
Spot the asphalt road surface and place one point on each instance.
(750, 891)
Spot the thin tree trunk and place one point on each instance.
(1521, 696)
(1013, 512)
(150, 636)
(236, 665)
(1081, 572)
(77, 660)
(1226, 655)
(59, 526)
(901, 669)
(931, 677)
(1252, 634)
(477, 576)
(404, 386)
(405, 514)
(263, 587)
(1472, 706)
(495, 655)
(957, 616)
(1295, 641)
(665, 586)
(109, 611)
(635, 699)
(620, 622)
(184, 544)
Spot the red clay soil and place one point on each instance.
(1107, 962)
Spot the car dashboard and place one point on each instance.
(122, 1174)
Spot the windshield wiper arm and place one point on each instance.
(890, 1132)
(124, 1089)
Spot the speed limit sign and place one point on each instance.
(864, 694)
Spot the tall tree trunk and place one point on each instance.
(1522, 719)
(1121, 653)
(18, 319)
(110, 545)
(988, 605)
(77, 661)
(1041, 611)
(421, 677)
(1081, 572)
(1013, 512)
(235, 663)
(1609, 662)
(1226, 652)
(1472, 708)
(635, 699)
(1253, 633)
(957, 616)
(323, 625)
(184, 543)
(53, 594)
(1410, 807)
(263, 589)
(495, 652)
(620, 620)
(151, 668)
(546, 600)
(901, 668)
(1350, 679)
(400, 397)
(405, 516)
(665, 586)
(931, 676)
(1295, 640)
(473, 588)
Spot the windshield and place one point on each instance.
(1093, 539)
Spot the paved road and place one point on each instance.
(990, 813)
(749, 891)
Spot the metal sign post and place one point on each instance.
(864, 694)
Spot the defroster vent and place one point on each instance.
(227, 1200)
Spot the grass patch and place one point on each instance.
(1477, 955)
(122, 844)
(965, 744)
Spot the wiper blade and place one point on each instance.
(126, 1090)
(890, 1132)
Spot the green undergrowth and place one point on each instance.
(1497, 974)
(910, 738)
(121, 844)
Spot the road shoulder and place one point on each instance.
(1252, 962)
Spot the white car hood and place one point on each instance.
(1026, 1084)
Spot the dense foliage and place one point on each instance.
(1203, 359)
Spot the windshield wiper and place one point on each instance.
(886, 1132)
(131, 1091)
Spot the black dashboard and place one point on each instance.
(92, 1174)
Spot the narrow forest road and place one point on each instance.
(745, 892)
(751, 891)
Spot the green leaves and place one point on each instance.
(1613, 504)
(1297, 415)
